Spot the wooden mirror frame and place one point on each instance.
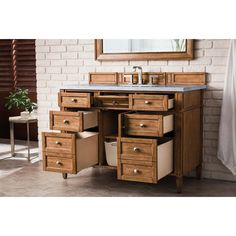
(99, 55)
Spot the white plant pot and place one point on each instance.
(25, 114)
(34, 114)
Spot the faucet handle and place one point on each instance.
(137, 67)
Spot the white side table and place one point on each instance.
(19, 120)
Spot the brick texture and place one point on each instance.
(68, 62)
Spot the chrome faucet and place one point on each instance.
(140, 73)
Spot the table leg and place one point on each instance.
(12, 139)
(28, 141)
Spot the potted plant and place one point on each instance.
(20, 99)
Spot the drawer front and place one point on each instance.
(66, 121)
(137, 149)
(75, 100)
(115, 102)
(149, 102)
(137, 172)
(148, 125)
(59, 143)
(58, 164)
(144, 125)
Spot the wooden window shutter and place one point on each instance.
(24, 64)
(6, 69)
(17, 64)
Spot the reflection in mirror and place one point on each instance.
(143, 45)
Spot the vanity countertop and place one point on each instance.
(135, 88)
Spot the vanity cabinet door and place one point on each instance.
(74, 100)
(151, 102)
(73, 121)
(150, 125)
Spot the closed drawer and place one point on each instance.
(138, 172)
(155, 162)
(111, 101)
(148, 125)
(59, 142)
(73, 121)
(75, 100)
(151, 102)
(81, 153)
(59, 164)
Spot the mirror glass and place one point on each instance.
(143, 45)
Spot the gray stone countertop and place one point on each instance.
(135, 88)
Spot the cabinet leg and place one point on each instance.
(199, 171)
(64, 175)
(179, 184)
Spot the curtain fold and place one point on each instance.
(227, 130)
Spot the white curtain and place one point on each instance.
(227, 130)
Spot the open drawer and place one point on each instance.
(143, 102)
(74, 100)
(73, 121)
(112, 101)
(144, 160)
(69, 153)
(144, 124)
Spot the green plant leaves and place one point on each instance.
(20, 100)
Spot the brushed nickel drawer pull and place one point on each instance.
(136, 149)
(136, 171)
(74, 100)
(58, 143)
(58, 163)
(66, 122)
(147, 102)
(142, 125)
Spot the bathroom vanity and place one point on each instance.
(157, 126)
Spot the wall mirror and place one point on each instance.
(143, 49)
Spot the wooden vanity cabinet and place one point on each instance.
(157, 133)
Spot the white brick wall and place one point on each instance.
(68, 62)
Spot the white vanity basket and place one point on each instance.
(111, 153)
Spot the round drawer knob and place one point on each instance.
(74, 100)
(114, 103)
(65, 121)
(142, 125)
(136, 149)
(58, 143)
(147, 102)
(136, 171)
(58, 163)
